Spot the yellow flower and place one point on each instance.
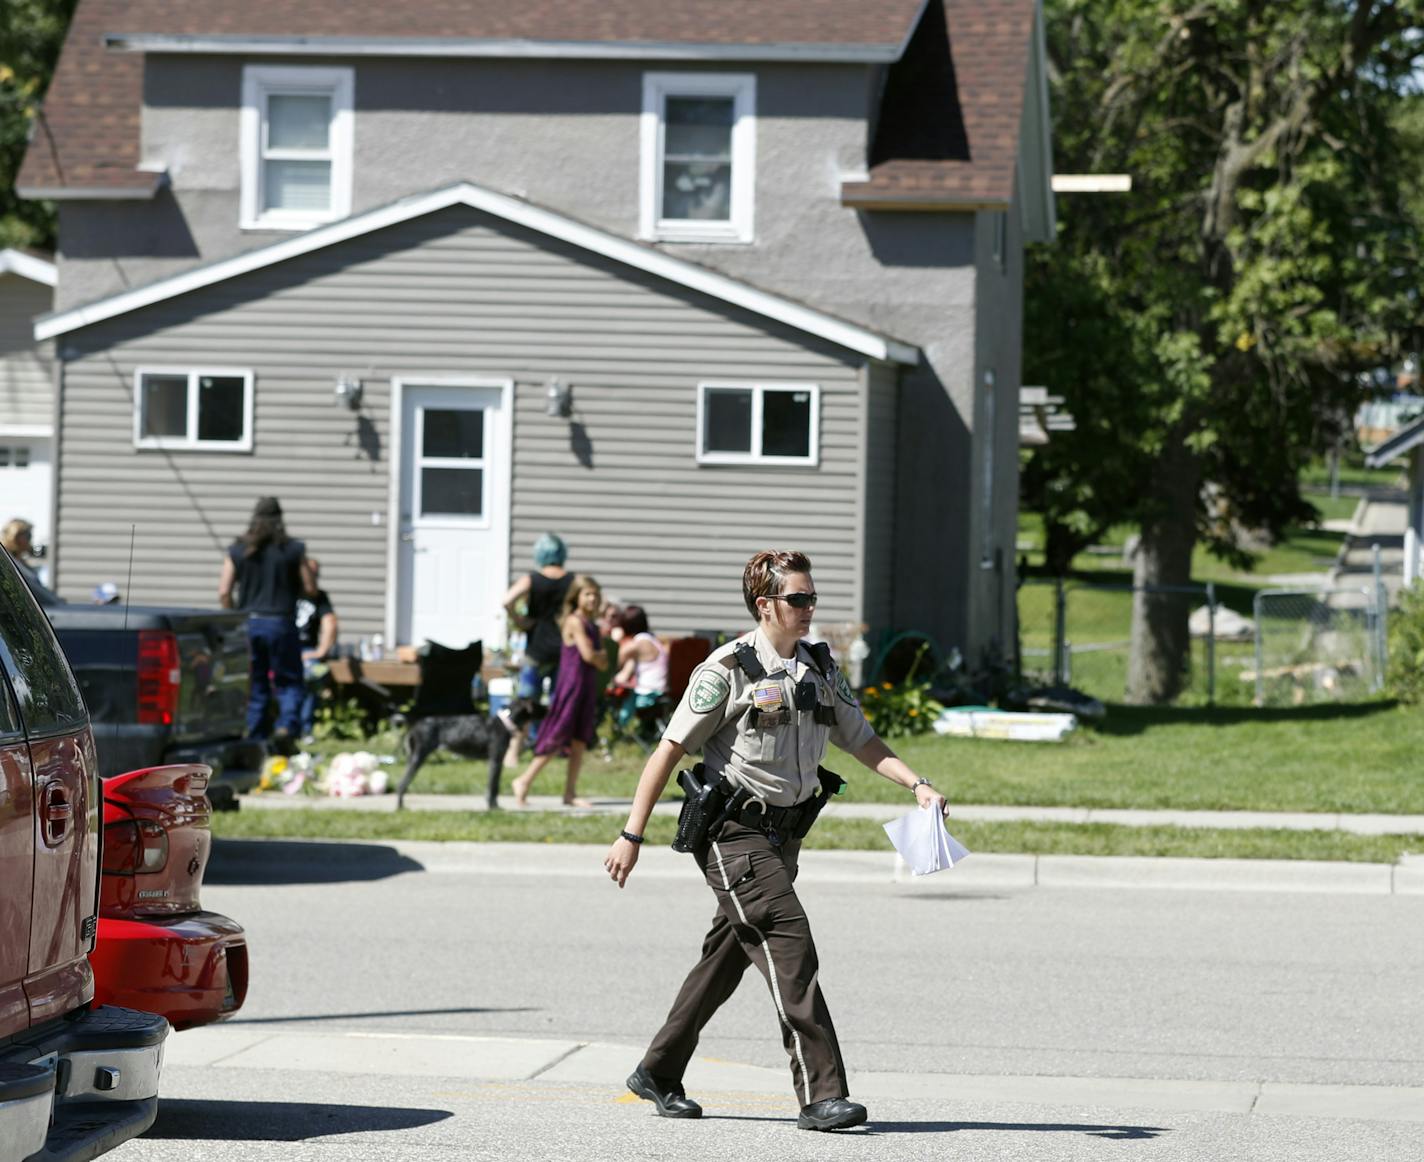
(887, 685)
(914, 713)
(870, 692)
(279, 764)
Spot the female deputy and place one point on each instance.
(761, 709)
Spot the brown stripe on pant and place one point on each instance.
(759, 920)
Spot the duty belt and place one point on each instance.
(783, 822)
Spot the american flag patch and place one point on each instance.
(767, 696)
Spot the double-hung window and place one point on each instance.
(699, 156)
(759, 423)
(296, 146)
(206, 409)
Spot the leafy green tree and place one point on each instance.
(31, 32)
(1213, 330)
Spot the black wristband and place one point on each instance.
(630, 837)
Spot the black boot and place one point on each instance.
(671, 1101)
(833, 1113)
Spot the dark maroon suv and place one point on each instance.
(75, 1080)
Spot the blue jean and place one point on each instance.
(276, 663)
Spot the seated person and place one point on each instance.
(317, 630)
(642, 675)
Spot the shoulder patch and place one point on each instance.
(844, 691)
(709, 691)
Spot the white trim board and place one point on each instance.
(351, 46)
(28, 266)
(719, 286)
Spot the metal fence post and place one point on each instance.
(1210, 643)
(1060, 630)
(1381, 619)
(1260, 652)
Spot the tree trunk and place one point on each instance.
(1160, 653)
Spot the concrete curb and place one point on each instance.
(568, 1061)
(982, 872)
(884, 812)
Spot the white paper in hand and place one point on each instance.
(923, 842)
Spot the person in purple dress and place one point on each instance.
(568, 728)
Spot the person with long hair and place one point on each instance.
(535, 604)
(569, 725)
(264, 573)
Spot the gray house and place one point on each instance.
(26, 392)
(678, 283)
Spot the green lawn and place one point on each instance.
(839, 834)
(1356, 757)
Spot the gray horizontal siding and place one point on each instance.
(459, 294)
(26, 368)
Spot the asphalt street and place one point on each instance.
(492, 1008)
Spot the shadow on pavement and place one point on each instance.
(276, 1121)
(292, 861)
(1117, 1132)
(873, 1127)
(304, 1017)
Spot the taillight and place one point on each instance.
(134, 846)
(158, 676)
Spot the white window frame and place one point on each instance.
(657, 88)
(259, 82)
(811, 460)
(190, 441)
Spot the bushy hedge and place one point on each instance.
(1405, 676)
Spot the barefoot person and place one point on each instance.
(761, 710)
(569, 725)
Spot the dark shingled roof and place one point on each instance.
(948, 131)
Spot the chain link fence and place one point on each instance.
(1298, 646)
(1318, 645)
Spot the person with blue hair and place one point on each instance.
(541, 593)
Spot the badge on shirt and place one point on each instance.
(767, 697)
(843, 689)
(708, 692)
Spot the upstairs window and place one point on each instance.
(205, 409)
(699, 156)
(759, 423)
(296, 147)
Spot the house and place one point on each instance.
(677, 282)
(26, 392)
(1407, 444)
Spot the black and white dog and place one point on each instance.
(473, 736)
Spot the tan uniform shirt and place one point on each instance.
(776, 759)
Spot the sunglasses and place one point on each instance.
(795, 600)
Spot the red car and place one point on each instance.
(157, 949)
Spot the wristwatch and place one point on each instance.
(630, 837)
(918, 783)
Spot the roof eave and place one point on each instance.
(841, 332)
(868, 196)
(1403, 441)
(310, 46)
(28, 266)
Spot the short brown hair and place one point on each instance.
(766, 573)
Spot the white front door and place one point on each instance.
(452, 531)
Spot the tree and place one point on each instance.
(31, 32)
(1212, 331)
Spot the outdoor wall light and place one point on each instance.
(348, 392)
(559, 399)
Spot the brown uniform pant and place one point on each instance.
(759, 921)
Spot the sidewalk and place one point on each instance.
(884, 812)
(603, 1067)
(1380, 519)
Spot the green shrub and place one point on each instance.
(897, 709)
(1405, 676)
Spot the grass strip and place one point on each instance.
(1029, 837)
